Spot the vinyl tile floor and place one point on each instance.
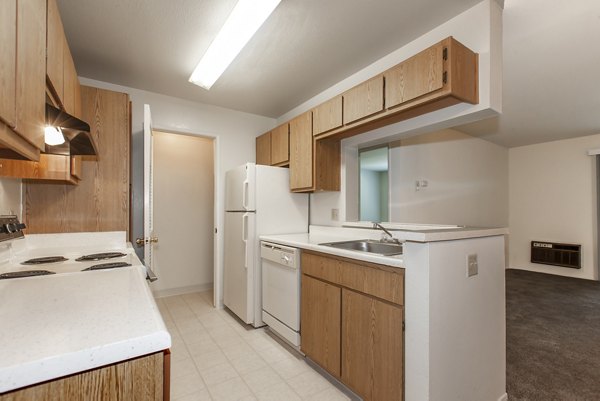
(216, 357)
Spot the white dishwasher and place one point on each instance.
(281, 290)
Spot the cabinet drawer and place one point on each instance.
(363, 100)
(377, 280)
(327, 116)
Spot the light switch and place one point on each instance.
(335, 214)
(472, 266)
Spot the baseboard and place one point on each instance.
(503, 397)
(182, 290)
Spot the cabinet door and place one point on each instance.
(372, 337)
(363, 100)
(8, 66)
(71, 82)
(31, 71)
(327, 116)
(320, 323)
(301, 152)
(415, 77)
(55, 49)
(263, 149)
(280, 145)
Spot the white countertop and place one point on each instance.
(323, 234)
(52, 326)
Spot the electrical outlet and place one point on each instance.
(335, 214)
(472, 266)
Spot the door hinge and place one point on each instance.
(403, 326)
(445, 77)
(445, 53)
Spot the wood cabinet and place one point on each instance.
(61, 75)
(263, 149)
(273, 147)
(372, 347)
(280, 145)
(363, 100)
(8, 65)
(50, 167)
(445, 71)
(55, 44)
(140, 379)
(22, 78)
(101, 200)
(301, 153)
(321, 323)
(327, 116)
(368, 301)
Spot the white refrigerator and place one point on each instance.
(258, 201)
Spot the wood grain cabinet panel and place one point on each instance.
(327, 116)
(280, 145)
(55, 51)
(140, 379)
(320, 321)
(8, 64)
(70, 82)
(301, 152)
(31, 71)
(415, 77)
(363, 100)
(263, 149)
(372, 347)
(101, 200)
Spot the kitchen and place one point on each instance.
(237, 132)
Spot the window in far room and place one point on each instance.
(374, 186)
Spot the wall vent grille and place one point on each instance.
(555, 254)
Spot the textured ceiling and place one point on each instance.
(551, 58)
(303, 48)
(551, 82)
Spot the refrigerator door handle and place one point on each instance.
(245, 194)
(245, 238)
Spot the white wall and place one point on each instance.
(10, 197)
(467, 180)
(480, 29)
(235, 134)
(553, 198)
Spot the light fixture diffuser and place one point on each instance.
(243, 22)
(53, 136)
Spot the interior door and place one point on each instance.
(149, 239)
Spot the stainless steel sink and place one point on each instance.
(368, 245)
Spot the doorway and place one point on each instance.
(183, 203)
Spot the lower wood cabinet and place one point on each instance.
(320, 316)
(372, 348)
(140, 379)
(352, 323)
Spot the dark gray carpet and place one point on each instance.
(552, 337)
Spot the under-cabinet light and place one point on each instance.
(53, 136)
(243, 22)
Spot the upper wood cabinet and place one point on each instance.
(263, 149)
(301, 152)
(327, 116)
(415, 77)
(445, 73)
(8, 66)
(31, 71)
(280, 145)
(55, 52)
(363, 100)
(48, 168)
(22, 77)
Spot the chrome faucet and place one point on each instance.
(387, 236)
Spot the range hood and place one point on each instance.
(78, 139)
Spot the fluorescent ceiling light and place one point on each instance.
(243, 22)
(53, 136)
